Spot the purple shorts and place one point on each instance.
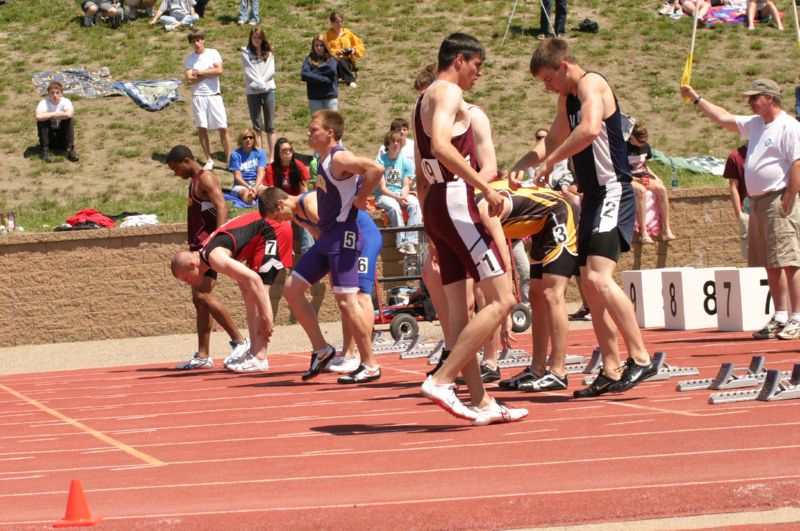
(335, 252)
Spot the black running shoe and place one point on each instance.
(601, 385)
(512, 384)
(547, 382)
(489, 375)
(318, 362)
(442, 357)
(361, 375)
(634, 374)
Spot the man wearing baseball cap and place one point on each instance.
(772, 178)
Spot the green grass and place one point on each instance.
(122, 146)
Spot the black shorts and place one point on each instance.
(605, 244)
(565, 265)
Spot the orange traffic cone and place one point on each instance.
(78, 514)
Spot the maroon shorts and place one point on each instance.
(463, 245)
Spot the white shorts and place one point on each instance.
(209, 112)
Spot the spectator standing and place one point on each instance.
(319, 73)
(346, 46)
(249, 13)
(202, 69)
(290, 175)
(249, 166)
(258, 65)
(393, 194)
(734, 173)
(772, 178)
(546, 16)
(175, 13)
(54, 123)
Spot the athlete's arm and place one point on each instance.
(248, 280)
(559, 131)
(482, 131)
(346, 163)
(209, 190)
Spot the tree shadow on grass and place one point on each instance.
(375, 429)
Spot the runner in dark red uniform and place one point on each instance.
(206, 211)
(250, 250)
(446, 179)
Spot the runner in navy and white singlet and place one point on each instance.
(588, 128)
(250, 250)
(446, 173)
(206, 210)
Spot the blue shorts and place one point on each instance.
(335, 252)
(373, 242)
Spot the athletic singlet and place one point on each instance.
(202, 216)
(605, 160)
(261, 244)
(530, 209)
(432, 169)
(302, 217)
(335, 197)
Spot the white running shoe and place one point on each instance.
(496, 413)
(209, 165)
(343, 365)
(196, 362)
(250, 364)
(445, 397)
(237, 353)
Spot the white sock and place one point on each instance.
(782, 316)
(796, 316)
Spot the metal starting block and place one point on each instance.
(381, 345)
(666, 371)
(513, 358)
(421, 350)
(574, 359)
(583, 366)
(729, 377)
(658, 357)
(778, 385)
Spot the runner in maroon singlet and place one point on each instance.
(446, 162)
(206, 211)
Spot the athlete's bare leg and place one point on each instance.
(294, 292)
(606, 295)
(540, 328)
(553, 289)
(351, 310)
(367, 313)
(207, 306)
(202, 134)
(259, 336)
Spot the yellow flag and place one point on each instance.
(686, 78)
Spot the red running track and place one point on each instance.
(271, 451)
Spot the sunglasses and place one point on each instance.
(248, 138)
(286, 150)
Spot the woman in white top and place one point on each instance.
(258, 63)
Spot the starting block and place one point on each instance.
(421, 350)
(667, 371)
(513, 358)
(776, 387)
(728, 378)
(381, 345)
(585, 367)
(658, 358)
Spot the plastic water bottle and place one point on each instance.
(674, 179)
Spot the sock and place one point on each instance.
(796, 316)
(782, 316)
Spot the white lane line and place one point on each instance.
(528, 432)
(16, 458)
(631, 422)
(22, 477)
(325, 452)
(424, 442)
(678, 399)
(26, 441)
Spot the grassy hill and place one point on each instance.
(122, 146)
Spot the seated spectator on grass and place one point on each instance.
(764, 11)
(701, 6)
(407, 151)
(102, 11)
(289, 174)
(140, 5)
(645, 179)
(319, 73)
(175, 13)
(346, 46)
(54, 122)
(394, 192)
(258, 65)
(249, 166)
